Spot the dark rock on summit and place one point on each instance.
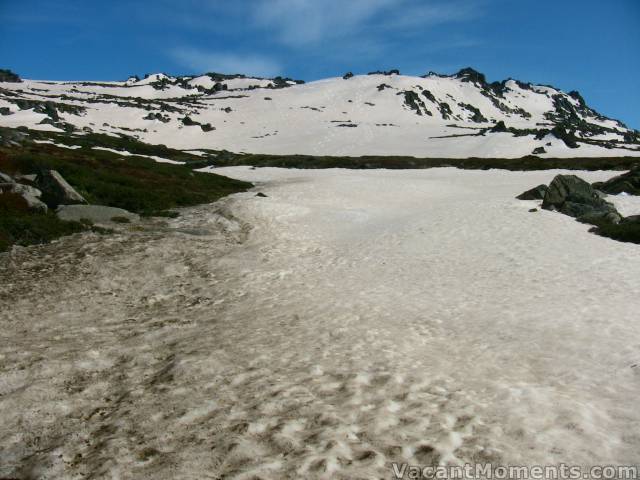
(573, 196)
(469, 74)
(56, 191)
(627, 182)
(536, 193)
(347, 75)
(8, 76)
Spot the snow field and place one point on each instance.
(349, 320)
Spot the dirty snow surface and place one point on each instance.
(349, 320)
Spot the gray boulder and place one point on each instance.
(595, 218)
(627, 182)
(4, 178)
(536, 193)
(573, 196)
(56, 191)
(26, 178)
(95, 213)
(29, 194)
(26, 190)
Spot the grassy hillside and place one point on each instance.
(20, 226)
(134, 183)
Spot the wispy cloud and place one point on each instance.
(303, 22)
(206, 61)
(323, 31)
(300, 23)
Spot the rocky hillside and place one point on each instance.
(383, 113)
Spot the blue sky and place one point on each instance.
(588, 45)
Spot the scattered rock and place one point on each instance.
(627, 182)
(573, 196)
(536, 193)
(12, 138)
(538, 151)
(95, 213)
(347, 75)
(533, 210)
(157, 116)
(56, 191)
(260, 194)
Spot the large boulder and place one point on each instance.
(95, 213)
(573, 196)
(56, 191)
(627, 182)
(536, 193)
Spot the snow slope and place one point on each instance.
(349, 320)
(380, 114)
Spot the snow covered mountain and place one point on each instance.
(383, 113)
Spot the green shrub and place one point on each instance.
(20, 226)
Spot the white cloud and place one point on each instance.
(204, 61)
(301, 22)
(304, 22)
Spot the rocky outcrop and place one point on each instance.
(573, 196)
(8, 76)
(95, 214)
(56, 191)
(30, 194)
(536, 193)
(626, 183)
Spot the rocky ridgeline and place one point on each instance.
(572, 196)
(507, 106)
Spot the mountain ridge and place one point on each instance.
(458, 115)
